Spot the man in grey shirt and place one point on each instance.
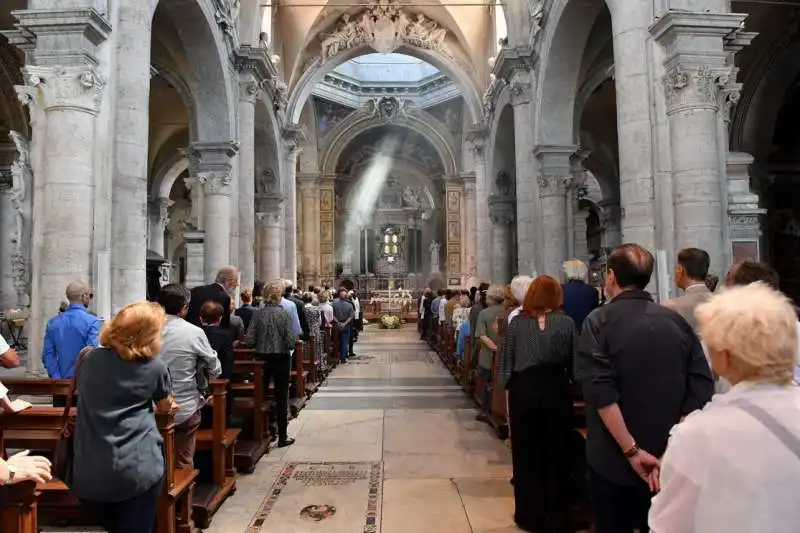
(343, 315)
(185, 351)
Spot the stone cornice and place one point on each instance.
(255, 60)
(513, 59)
(677, 22)
(555, 161)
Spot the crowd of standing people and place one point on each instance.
(692, 405)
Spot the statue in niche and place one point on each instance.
(411, 198)
(267, 184)
(22, 175)
(434, 248)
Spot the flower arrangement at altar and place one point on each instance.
(390, 322)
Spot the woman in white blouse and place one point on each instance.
(734, 467)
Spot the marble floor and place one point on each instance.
(388, 444)
(396, 410)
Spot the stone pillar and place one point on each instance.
(211, 165)
(270, 226)
(309, 197)
(477, 144)
(293, 137)
(327, 233)
(249, 94)
(555, 169)
(195, 252)
(520, 90)
(696, 63)
(501, 214)
(159, 219)
(470, 237)
(609, 216)
(579, 226)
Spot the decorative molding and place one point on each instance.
(270, 219)
(79, 88)
(21, 202)
(389, 109)
(490, 95)
(384, 27)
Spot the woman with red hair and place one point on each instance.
(536, 367)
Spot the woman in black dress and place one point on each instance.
(535, 368)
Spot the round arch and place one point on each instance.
(503, 100)
(563, 40)
(604, 71)
(210, 80)
(167, 175)
(182, 88)
(305, 84)
(341, 138)
(266, 116)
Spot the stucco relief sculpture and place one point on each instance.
(411, 198)
(490, 95)
(536, 8)
(389, 108)
(267, 184)
(22, 175)
(227, 16)
(384, 27)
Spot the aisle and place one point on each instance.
(389, 444)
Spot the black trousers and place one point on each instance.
(277, 368)
(137, 515)
(619, 508)
(540, 412)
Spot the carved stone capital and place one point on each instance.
(501, 210)
(250, 91)
(476, 140)
(211, 158)
(79, 88)
(308, 185)
(520, 92)
(692, 87)
(216, 183)
(554, 185)
(270, 219)
(294, 137)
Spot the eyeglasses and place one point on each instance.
(90, 295)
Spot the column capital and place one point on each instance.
(308, 183)
(216, 182)
(476, 138)
(255, 61)
(554, 185)
(294, 136)
(468, 179)
(210, 163)
(58, 87)
(250, 90)
(265, 203)
(555, 160)
(270, 219)
(501, 210)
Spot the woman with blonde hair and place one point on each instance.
(119, 462)
(735, 465)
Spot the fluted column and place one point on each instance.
(159, 219)
(520, 90)
(555, 174)
(501, 214)
(211, 166)
(270, 226)
(309, 198)
(249, 93)
(64, 91)
(476, 140)
(470, 233)
(293, 138)
(696, 61)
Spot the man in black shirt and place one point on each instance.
(642, 369)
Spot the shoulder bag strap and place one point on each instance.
(773, 425)
(71, 395)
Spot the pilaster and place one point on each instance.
(327, 224)
(269, 219)
(470, 235)
(293, 138)
(195, 258)
(476, 142)
(159, 219)
(501, 215)
(454, 189)
(310, 199)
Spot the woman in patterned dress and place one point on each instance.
(314, 318)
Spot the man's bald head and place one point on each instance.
(76, 292)
(632, 266)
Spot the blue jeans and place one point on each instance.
(486, 400)
(344, 342)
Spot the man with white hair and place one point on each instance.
(225, 282)
(580, 298)
(519, 288)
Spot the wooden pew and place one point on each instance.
(497, 392)
(18, 508)
(40, 428)
(251, 405)
(466, 366)
(312, 366)
(299, 376)
(220, 441)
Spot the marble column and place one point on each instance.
(195, 252)
(501, 215)
(520, 91)
(159, 219)
(270, 227)
(696, 62)
(476, 139)
(555, 174)
(293, 138)
(309, 198)
(470, 240)
(249, 93)
(211, 165)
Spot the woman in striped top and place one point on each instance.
(535, 368)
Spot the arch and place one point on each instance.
(182, 88)
(9, 77)
(503, 99)
(561, 49)
(317, 70)
(362, 121)
(209, 78)
(265, 113)
(600, 74)
(167, 175)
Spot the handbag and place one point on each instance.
(64, 451)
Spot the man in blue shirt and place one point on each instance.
(69, 332)
(291, 308)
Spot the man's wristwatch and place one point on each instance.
(632, 451)
(12, 473)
